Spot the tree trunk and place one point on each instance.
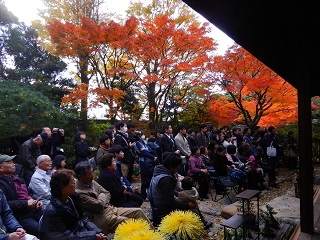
(84, 103)
(152, 105)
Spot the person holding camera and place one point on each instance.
(56, 138)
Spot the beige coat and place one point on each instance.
(95, 202)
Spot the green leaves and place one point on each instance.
(24, 110)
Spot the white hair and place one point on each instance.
(42, 158)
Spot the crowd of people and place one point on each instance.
(48, 201)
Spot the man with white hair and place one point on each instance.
(40, 181)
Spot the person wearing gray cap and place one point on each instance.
(28, 153)
(40, 180)
(26, 210)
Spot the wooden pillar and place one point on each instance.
(304, 78)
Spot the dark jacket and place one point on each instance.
(111, 182)
(162, 191)
(19, 208)
(8, 222)
(28, 154)
(66, 221)
(202, 139)
(122, 140)
(51, 147)
(167, 144)
(81, 149)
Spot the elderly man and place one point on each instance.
(28, 153)
(26, 210)
(40, 180)
(96, 201)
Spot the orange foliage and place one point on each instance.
(105, 46)
(259, 95)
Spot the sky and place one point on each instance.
(26, 11)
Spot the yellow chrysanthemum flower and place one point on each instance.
(145, 235)
(182, 224)
(129, 227)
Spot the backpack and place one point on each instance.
(238, 177)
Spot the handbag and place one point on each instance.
(271, 151)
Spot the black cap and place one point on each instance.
(115, 149)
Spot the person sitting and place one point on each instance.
(9, 226)
(204, 154)
(162, 194)
(190, 194)
(26, 210)
(110, 180)
(96, 201)
(63, 218)
(198, 171)
(118, 155)
(59, 161)
(40, 181)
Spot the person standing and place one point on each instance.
(272, 161)
(202, 136)
(167, 143)
(122, 139)
(104, 146)
(55, 139)
(183, 146)
(81, 148)
(292, 148)
(28, 153)
(147, 162)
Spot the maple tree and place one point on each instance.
(171, 61)
(109, 67)
(254, 92)
(71, 11)
(180, 12)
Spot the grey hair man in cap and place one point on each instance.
(28, 153)
(25, 209)
(40, 180)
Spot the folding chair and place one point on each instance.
(227, 186)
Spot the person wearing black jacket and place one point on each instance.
(55, 139)
(122, 139)
(26, 210)
(63, 218)
(162, 193)
(81, 148)
(111, 181)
